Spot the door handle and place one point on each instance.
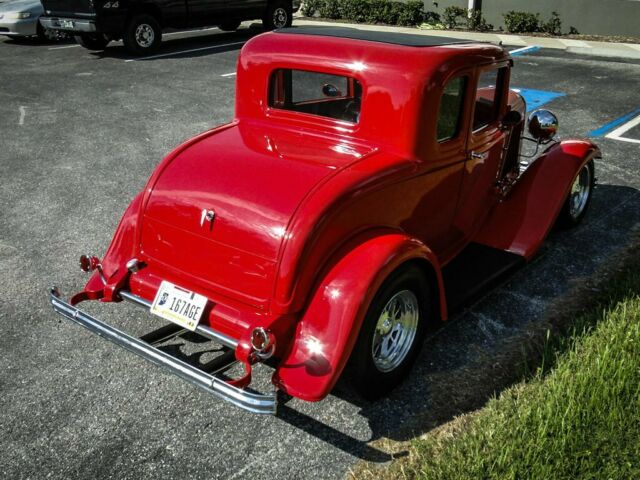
(479, 156)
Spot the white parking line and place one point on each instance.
(66, 46)
(232, 74)
(180, 52)
(189, 31)
(625, 127)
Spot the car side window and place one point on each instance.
(451, 104)
(332, 96)
(488, 96)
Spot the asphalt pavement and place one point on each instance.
(80, 134)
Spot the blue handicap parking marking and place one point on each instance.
(537, 98)
(612, 125)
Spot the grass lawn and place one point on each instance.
(577, 416)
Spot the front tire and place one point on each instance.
(143, 35)
(92, 41)
(579, 198)
(392, 333)
(279, 14)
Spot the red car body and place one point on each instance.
(310, 214)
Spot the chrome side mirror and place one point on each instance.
(543, 125)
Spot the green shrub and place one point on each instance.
(432, 18)
(371, 11)
(330, 9)
(410, 13)
(355, 10)
(521, 22)
(310, 7)
(475, 21)
(554, 25)
(453, 16)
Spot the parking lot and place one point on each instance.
(82, 131)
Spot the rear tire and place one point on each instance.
(229, 26)
(92, 41)
(392, 333)
(142, 35)
(579, 198)
(279, 14)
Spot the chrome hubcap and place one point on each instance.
(580, 190)
(395, 331)
(144, 35)
(279, 17)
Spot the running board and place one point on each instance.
(474, 271)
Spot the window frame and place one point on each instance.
(461, 110)
(501, 77)
(278, 103)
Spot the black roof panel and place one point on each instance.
(406, 39)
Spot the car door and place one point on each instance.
(246, 8)
(485, 149)
(204, 13)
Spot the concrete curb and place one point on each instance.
(583, 47)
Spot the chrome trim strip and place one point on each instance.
(252, 402)
(203, 330)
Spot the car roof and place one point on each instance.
(394, 38)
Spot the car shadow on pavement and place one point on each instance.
(492, 343)
(185, 47)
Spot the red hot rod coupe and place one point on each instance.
(315, 230)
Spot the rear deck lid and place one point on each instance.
(218, 213)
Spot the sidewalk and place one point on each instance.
(603, 49)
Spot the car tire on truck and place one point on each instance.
(392, 332)
(142, 35)
(579, 198)
(92, 41)
(279, 14)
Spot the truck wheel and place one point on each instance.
(391, 334)
(92, 41)
(142, 34)
(229, 26)
(575, 206)
(279, 15)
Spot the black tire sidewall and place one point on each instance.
(129, 37)
(565, 220)
(370, 382)
(267, 21)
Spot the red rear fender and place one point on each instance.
(329, 327)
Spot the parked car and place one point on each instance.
(328, 224)
(20, 18)
(139, 23)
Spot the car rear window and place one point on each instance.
(315, 93)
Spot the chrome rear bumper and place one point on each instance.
(72, 24)
(252, 402)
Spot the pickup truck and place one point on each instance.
(366, 185)
(139, 23)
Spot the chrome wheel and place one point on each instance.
(144, 35)
(580, 192)
(395, 331)
(280, 17)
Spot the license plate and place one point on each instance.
(178, 305)
(66, 23)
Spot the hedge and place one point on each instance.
(368, 11)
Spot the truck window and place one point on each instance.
(488, 97)
(451, 105)
(332, 96)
